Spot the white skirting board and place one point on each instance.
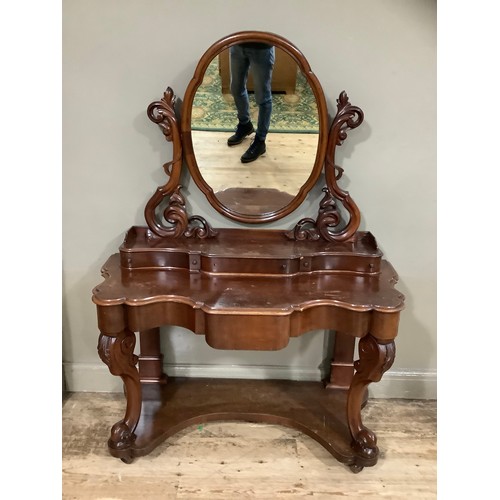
(405, 384)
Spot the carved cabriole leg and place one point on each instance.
(375, 358)
(151, 358)
(118, 353)
(342, 364)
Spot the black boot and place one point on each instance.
(257, 148)
(241, 132)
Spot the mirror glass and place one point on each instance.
(272, 181)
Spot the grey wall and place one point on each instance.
(120, 55)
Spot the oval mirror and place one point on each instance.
(244, 179)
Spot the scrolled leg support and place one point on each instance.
(375, 358)
(117, 352)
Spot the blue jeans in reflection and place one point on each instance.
(259, 58)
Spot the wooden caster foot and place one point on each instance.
(356, 468)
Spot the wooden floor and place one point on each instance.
(286, 165)
(233, 460)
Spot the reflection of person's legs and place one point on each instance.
(262, 62)
(239, 74)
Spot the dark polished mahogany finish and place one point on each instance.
(248, 289)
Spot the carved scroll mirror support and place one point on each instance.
(166, 213)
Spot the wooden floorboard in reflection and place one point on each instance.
(285, 166)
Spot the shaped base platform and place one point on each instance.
(182, 402)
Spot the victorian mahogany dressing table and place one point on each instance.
(249, 288)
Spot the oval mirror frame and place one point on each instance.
(186, 133)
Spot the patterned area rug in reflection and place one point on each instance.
(215, 110)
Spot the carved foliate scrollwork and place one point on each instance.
(328, 216)
(328, 224)
(199, 228)
(118, 354)
(375, 358)
(175, 215)
(163, 113)
(347, 117)
(305, 229)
